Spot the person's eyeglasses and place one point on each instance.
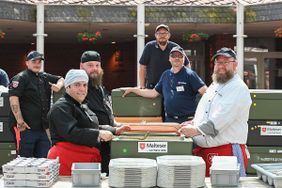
(176, 56)
(162, 33)
(222, 62)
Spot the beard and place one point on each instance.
(162, 43)
(96, 80)
(222, 78)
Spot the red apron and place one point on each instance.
(224, 150)
(69, 153)
(18, 138)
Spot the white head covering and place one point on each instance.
(75, 75)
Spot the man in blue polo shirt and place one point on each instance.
(178, 86)
(155, 58)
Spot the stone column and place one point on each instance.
(40, 30)
(140, 34)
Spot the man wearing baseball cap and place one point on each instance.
(30, 94)
(220, 127)
(155, 58)
(178, 86)
(74, 128)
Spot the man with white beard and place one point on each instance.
(219, 127)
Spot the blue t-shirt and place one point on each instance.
(157, 61)
(179, 91)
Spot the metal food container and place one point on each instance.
(85, 174)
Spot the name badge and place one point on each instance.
(179, 88)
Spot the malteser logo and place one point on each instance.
(271, 130)
(142, 146)
(152, 147)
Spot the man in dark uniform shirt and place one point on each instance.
(30, 92)
(98, 100)
(155, 58)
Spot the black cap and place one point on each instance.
(227, 52)
(162, 26)
(34, 55)
(177, 49)
(90, 56)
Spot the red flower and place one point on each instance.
(2, 34)
(194, 36)
(89, 36)
(98, 34)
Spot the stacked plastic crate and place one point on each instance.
(7, 143)
(265, 128)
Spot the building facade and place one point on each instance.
(116, 21)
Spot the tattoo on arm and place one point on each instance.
(17, 112)
(15, 108)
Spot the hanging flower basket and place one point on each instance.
(193, 37)
(2, 34)
(89, 37)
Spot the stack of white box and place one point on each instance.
(32, 172)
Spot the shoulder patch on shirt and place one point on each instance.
(15, 84)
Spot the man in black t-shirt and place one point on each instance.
(155, 58)
(30, 92)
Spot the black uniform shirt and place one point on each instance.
(73, 122)
(34, 94)
(99, 102)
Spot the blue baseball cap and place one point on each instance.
(34, 55)
(177, 49)
(227, 52)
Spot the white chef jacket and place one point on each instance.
(227, 106)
